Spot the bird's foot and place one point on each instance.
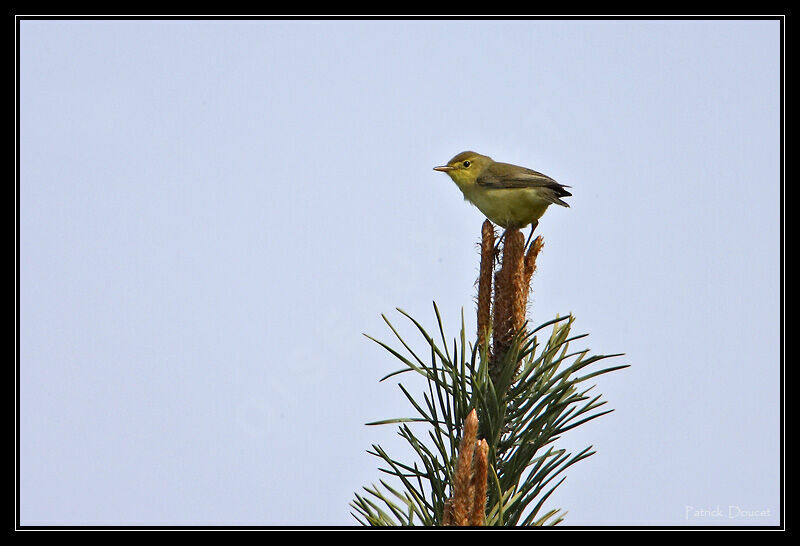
(497, 247)
(533, 228)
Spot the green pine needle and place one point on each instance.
(533, 400)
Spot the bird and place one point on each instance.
(509, 195)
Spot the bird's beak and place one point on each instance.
(443, 169)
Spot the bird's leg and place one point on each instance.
(533, 228)
(497, 245)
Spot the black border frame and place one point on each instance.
(19, 18)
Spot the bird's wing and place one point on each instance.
(505, 176)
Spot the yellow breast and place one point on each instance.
(510, 208)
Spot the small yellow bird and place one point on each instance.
(509, 195)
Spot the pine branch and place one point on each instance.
(492, 411)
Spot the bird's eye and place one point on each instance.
(466, 163)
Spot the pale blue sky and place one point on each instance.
(212, 212)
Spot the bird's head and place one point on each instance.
(465, 167)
